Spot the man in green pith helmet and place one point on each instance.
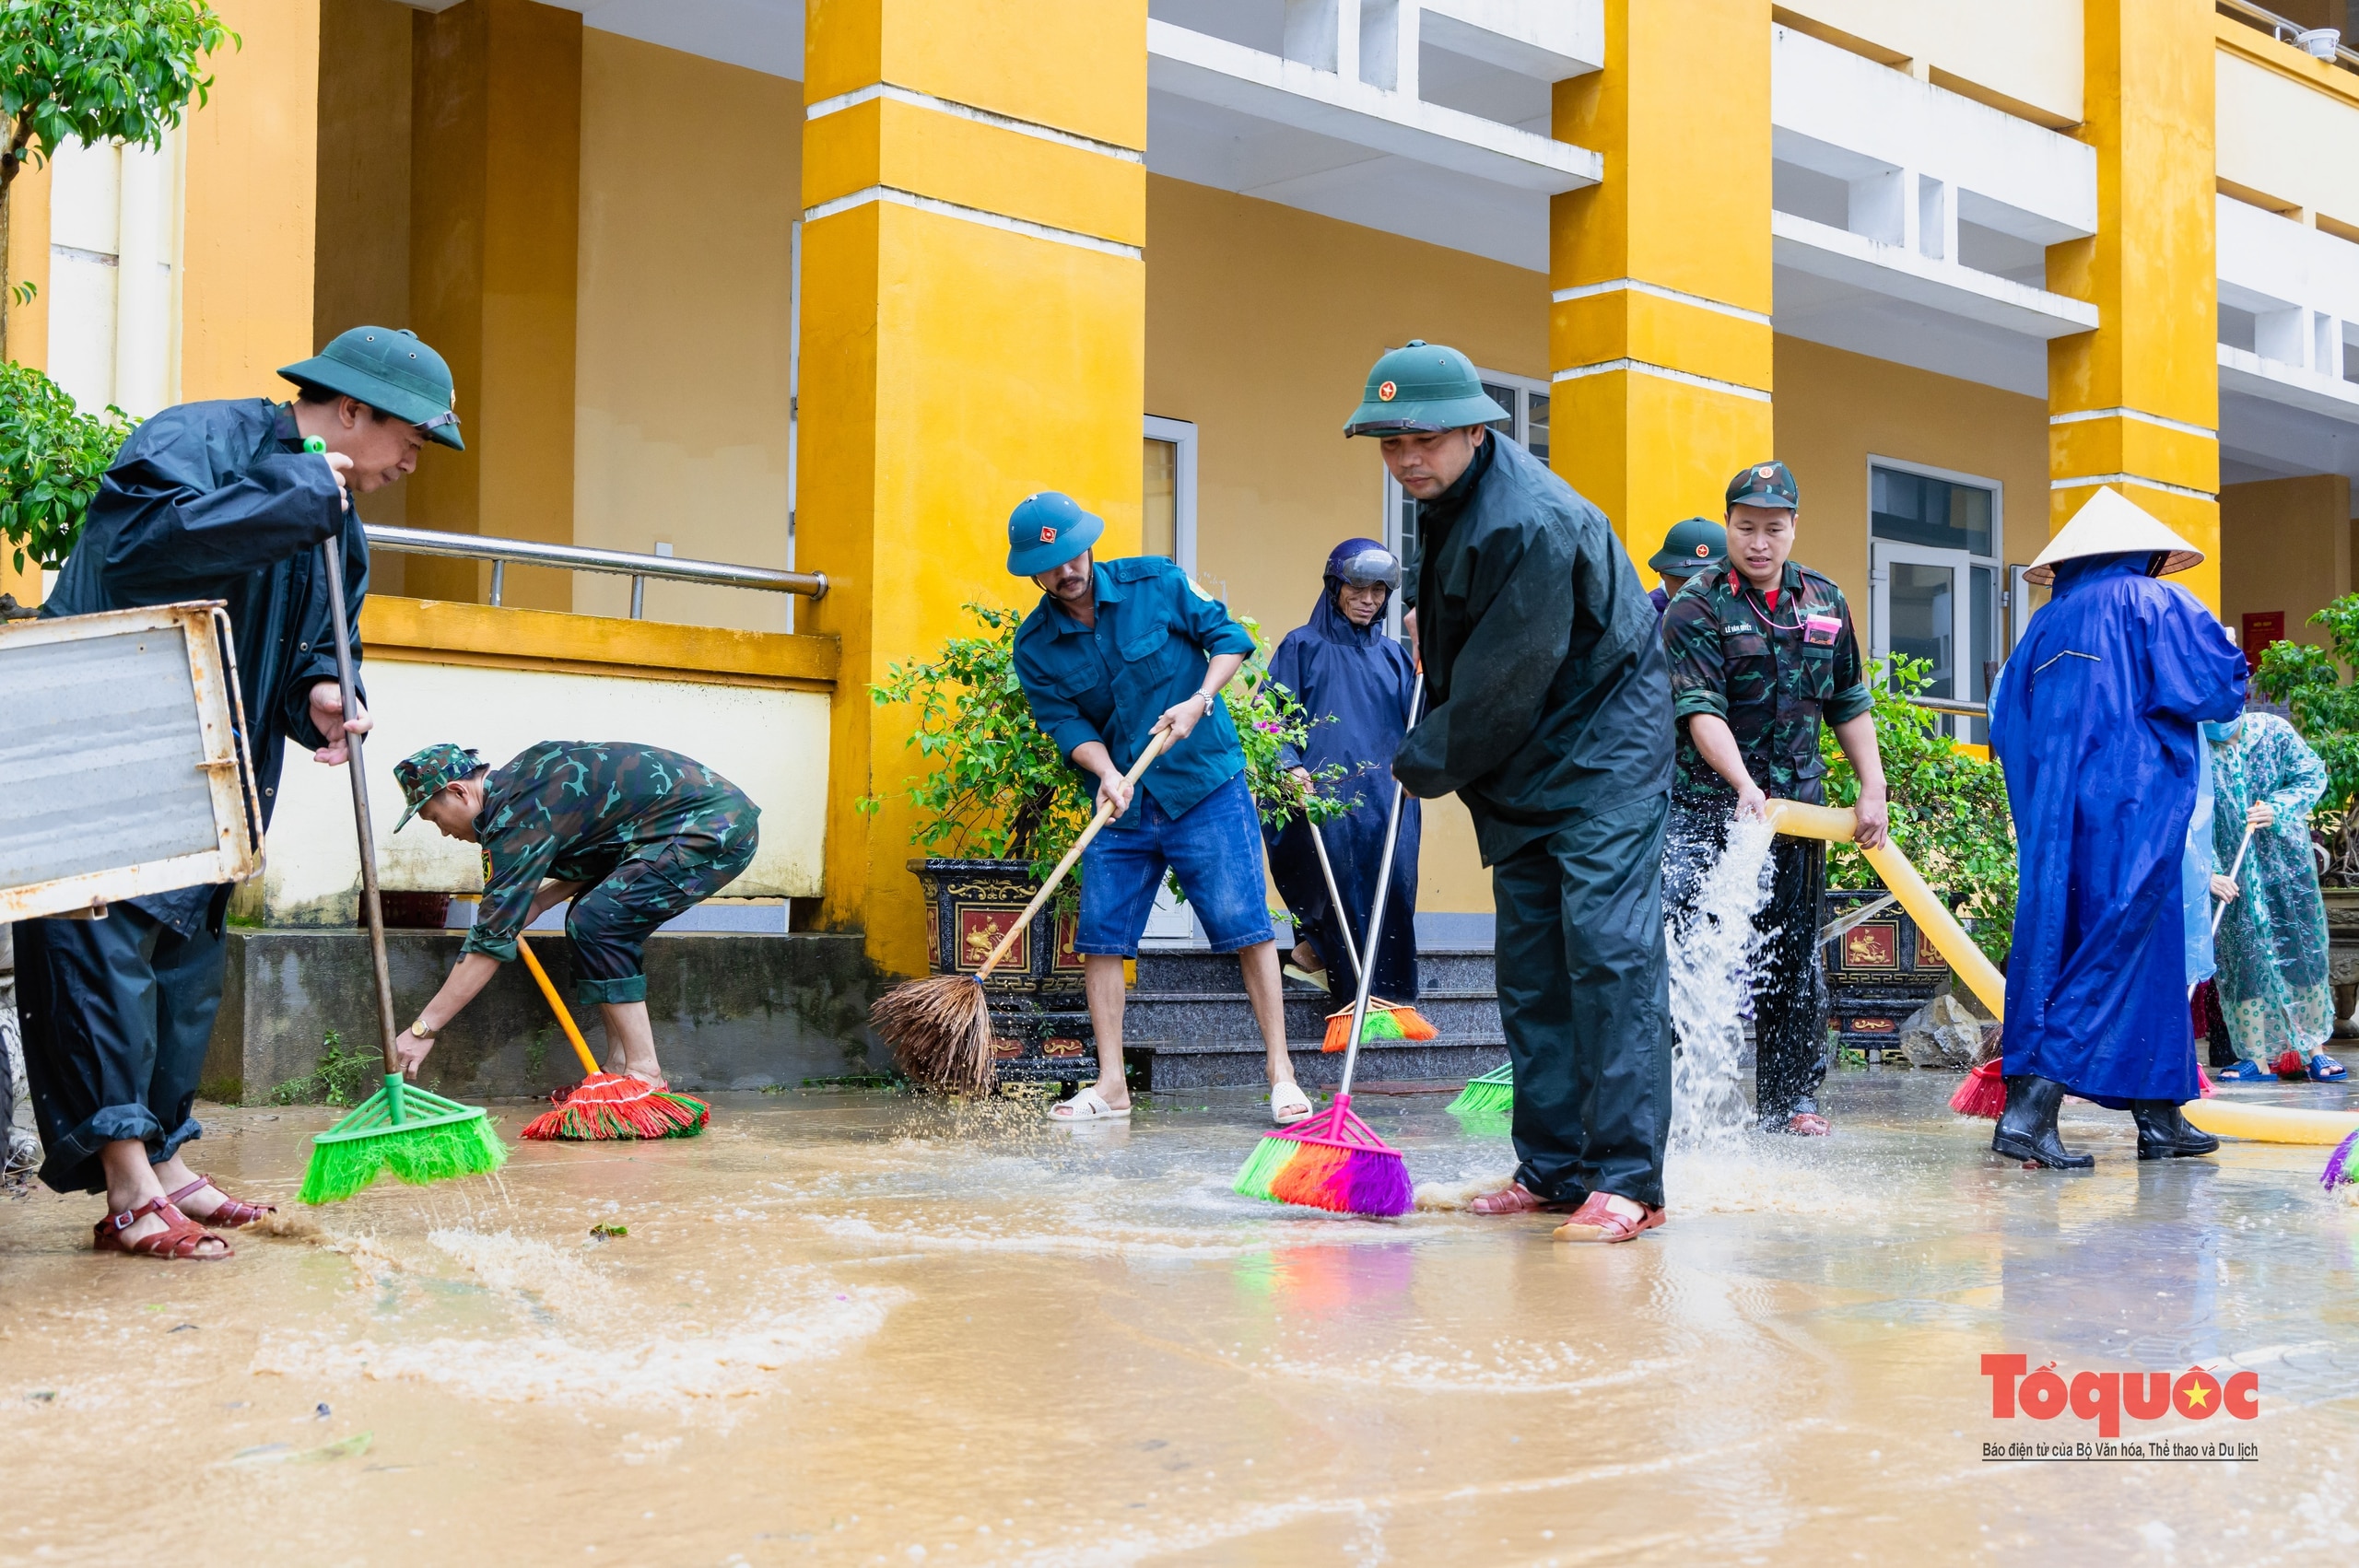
(633, 835)
(1548, 712)
(1689, 550)
(1761, 652)
(209, 500)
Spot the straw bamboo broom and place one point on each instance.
(940, 1028)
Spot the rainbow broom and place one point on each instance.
(1386, 1020)
(1334, 1160)
(606, 1105)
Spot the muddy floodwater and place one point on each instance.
(872, 1329)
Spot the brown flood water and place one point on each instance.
(865, 1330)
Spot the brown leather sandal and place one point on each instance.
(1515, 1198)
(234, 1211)
(180, 1238)
(1596, 1220)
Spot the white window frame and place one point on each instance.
(1181, 433)
(2003, 635)
(1525, 387)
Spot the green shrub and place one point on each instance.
(2325, 707)
(52, 456)
(338, 1078)
(1949, 807)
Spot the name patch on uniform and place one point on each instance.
(1736, 628)
(1820, 631)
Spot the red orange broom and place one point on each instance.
(1334, 1160)
(1387, 1020)
(606, 1105)
(940, 1028)
(1984, 1092)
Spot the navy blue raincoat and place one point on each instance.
(2095, 722)
(1355, 683)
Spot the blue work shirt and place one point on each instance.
(1156, 633)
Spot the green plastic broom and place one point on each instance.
(419, 1137)
(1492, 1095)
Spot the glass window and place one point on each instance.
(1924, 621)
(1536, 424)
(1505, 397)
(1160, 519)
(1916, 508)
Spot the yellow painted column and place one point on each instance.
(2136, 402)
(251, 191)
(494, 207)
(28, 324)
(974, 311)
(1659, 339)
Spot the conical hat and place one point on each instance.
(2110, 523)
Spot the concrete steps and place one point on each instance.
(1187, 1023)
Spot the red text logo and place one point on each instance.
(2105, 1397)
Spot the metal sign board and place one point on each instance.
(124, 765)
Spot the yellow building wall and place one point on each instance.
(361, 239)
(2026, 51)
(1262, 322)
(28, 323)
(2285, 544)
(247, 236)
(682, 398)
(1836, 410)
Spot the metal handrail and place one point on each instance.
(583, 558)
(2283, 29)
(1943, 704)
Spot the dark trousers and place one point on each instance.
(1789, 1000)
(1584, 995)
(609, 924)
(116, 1017)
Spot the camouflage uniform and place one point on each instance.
(1772, 674)
(655, 832)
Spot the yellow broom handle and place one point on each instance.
(564, 1019)
(1105, 814)
(1837, 826)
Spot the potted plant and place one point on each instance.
(1950, 814)
(998, 806)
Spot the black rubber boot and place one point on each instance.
(2165, 1134)
(2026, 1129)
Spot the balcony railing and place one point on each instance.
(2320, 43)
(582, 558)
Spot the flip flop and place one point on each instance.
(2324, 1068)
(1308, 977)
(2246, 1073)
(1288, 1104)
(1087, 1106)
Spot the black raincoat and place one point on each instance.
(1549, 713)
(207, 501)
(1353, 683)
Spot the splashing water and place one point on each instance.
(1712, 952)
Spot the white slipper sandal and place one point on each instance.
(1288, 1104)
(1087, 1106)
(1293, 971)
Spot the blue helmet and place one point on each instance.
(1361, 562)
(1048, 529)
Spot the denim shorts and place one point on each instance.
(1214, 847)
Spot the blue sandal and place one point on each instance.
(2324, 1068)
(2244, 1072)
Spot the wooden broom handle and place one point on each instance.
(564, 1019)
(1155, 745)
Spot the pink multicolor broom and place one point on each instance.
(1984, 1092)
(606, 1105)
(1334, 1160)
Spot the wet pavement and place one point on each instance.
(866, 1329)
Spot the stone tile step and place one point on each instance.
(1193, 970)
(1160, 1065)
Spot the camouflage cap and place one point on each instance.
(423, 773)
(1768, 484)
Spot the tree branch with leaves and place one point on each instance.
(94, 71)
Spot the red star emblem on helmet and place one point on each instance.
(1387, 392)
(1048, 536)
(1703, 551)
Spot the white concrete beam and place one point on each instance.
(1900, 272)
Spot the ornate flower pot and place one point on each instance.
(1878, 972)
(1037, 1011)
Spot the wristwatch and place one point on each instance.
(1209, 698)
(419, 1031)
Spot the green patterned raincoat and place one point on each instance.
(2273, 987)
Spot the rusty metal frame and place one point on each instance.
(227, 763)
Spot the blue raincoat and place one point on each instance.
(1355, 683)
(2095, 724)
